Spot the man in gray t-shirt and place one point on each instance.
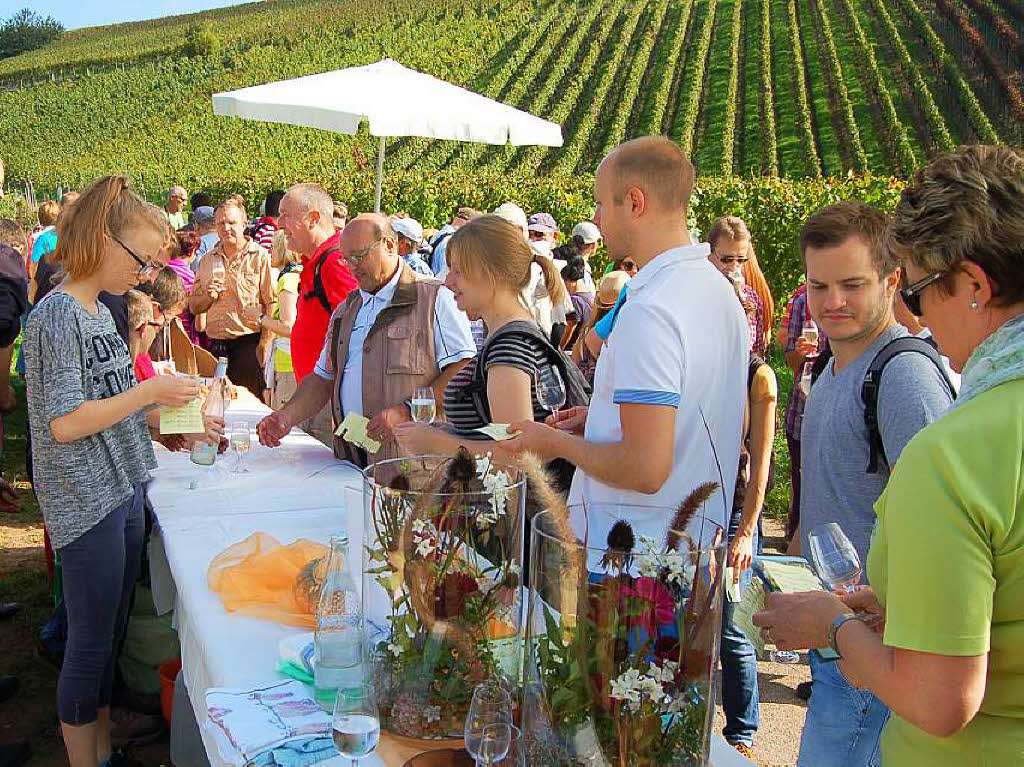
(851, 282)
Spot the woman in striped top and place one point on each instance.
(491, 263)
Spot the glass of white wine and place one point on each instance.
(356, 722)
(834, 557)
(240, 443)
(423, 407)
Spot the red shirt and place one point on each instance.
(311, 320)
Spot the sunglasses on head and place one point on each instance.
(912, 293)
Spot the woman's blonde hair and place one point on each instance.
(736, 230)
(48, 212)
(106, 209)
(280, 254)
(491, 248)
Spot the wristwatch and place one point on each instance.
(833, 630)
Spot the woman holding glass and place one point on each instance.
(234, 289)
(491, 262)
(948, 549)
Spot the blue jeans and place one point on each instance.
(740, 700)
(100, 569)
(844, 725)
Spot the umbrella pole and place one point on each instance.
(380, 176)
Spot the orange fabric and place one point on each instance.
(259, 577)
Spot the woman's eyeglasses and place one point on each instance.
(146, 268)
(912, 294)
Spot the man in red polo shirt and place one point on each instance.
(305, 214)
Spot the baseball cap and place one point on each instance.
(542, 222)
(409, 228)
(203, 215)
(587, 231)
(512, 213)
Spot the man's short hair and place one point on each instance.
(340, 210)
(12, 235)
(835, 224)
(657, 165)
(272, 204)
(200, 200)
(311, 197)
(48, 212)
(179, 190)
(139, 307)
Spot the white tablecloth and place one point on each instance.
(298, 490)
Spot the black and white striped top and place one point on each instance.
(516, 350)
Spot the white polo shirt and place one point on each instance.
(453, 340)
(681, 340)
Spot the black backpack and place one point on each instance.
(873, 380)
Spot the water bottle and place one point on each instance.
(338, 642)
(205, 453)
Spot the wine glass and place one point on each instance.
(240, 443)
(834, 557)
(423, 407)
(491, 705)
(495, 743)
(356, 722)
(550, 390)
(516, 756)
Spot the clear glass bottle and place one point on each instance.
(204, 453)
(338, 642)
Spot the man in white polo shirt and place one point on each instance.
(667, 407)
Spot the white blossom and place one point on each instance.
(395, 649)
(433, 714)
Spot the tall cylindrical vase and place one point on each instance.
(622, 629)
(442, 559)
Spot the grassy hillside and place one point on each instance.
(797, 87)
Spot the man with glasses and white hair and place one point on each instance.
(400, 331)
(174, 211)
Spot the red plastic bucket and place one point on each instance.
(168, 673)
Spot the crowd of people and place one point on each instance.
(662, 360)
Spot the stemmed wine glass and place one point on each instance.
(834, 557)
(550, 390)
(356, 722)
(488, 724)
(423, 407)
(240, 443)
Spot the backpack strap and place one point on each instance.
(820, 363)
(873, 380)
(318, 292)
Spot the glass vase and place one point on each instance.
(442, 563)
(622, 629)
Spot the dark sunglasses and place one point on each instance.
(912, 293)
(145, 268)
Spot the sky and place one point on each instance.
(76, 13)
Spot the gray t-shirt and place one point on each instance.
(834, 448)
(72, 356)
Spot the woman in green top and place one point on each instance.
(946, 562)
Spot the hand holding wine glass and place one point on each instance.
(356, 722)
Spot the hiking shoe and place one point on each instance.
(130, 728)
(744, 749)
(803, 691)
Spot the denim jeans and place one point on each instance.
(100, 569)
(739, 669)
(844, 725)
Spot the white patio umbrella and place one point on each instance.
(395, 100)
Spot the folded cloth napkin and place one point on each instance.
(248, 723)
(295, 657)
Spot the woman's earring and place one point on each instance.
(974, 304)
